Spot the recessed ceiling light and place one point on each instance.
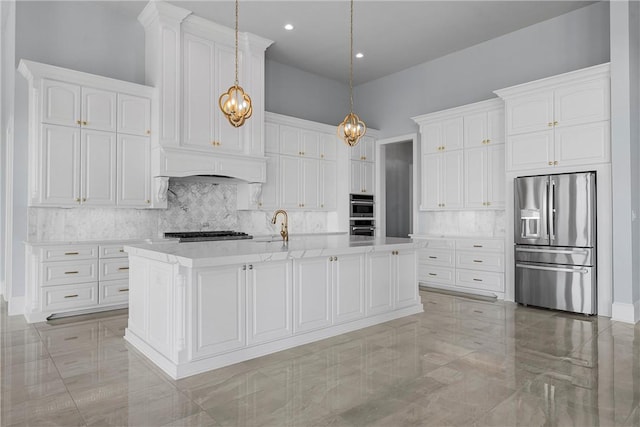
(359, 55)
(288, 27)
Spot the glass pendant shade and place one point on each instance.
(236, 105)
(351, 129)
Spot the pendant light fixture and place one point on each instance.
(235, 103)
(352, 128)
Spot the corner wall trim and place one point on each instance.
(16, 306)
(623, 312)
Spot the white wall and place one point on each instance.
(568, 42)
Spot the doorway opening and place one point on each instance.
(398, 188)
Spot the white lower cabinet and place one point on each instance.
(134, 170)
(468, 265)
(269, 293)
(312, 294)
(391, 279)
(442, 181)
(348, 276)
(405, 279)
(362, 177)
(299, 184)
(484, 182)
(65, 278)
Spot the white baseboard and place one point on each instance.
(16, 306)
(624, 312)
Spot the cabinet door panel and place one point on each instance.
(199, 99)
(312, 294)
(431, 136)
(328, 146)
(530, 151)
(60, 103)
(328, 185)
(134, 174)
(431, 180)
(134, 115)
(475, 130)
(529, 113)
(406, 279)
(290, 141)
(271, 138)
(310, 141)
(271, 189)
(368, 185)
(269, 291)
(98, 109)
(311, 183)
(348, 287)
(368, 149)
(219, 302)
(230, 137)
(496, 178)
(583, 144)
(60, 153)
(356, 177)
(452, 189)
(380, 280)
(452, 133)
(475, 185)
(98, 168)
(290, 182)
(582, 103)
(495, 126)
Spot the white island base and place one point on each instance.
(194, 307)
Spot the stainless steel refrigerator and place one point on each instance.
(555, 241)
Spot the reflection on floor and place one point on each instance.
(462, 362)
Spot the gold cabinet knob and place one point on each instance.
(78, 122)
(84, 123)
(550, 124)
(78, 199)
(555, 162)
(322, 205)
(335, 258)
(148, 132)
(555, 123)
(148, 201)
(364, 157)
(259, 203)
(84, 199)
(488, 203)
(550, 163)
(488, 141)
(322, 156)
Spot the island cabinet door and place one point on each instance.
(269, 294)
(218, 302)
(311, 294)
(379, 282)
(348, 287)
(406, 279)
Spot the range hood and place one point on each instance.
(182, 162)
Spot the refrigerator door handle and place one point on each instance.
(564, 270)
(554, 251)
(552, 210)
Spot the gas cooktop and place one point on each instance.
(202, 236)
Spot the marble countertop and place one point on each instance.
(203, 254)
(95, 242)
(460, 237)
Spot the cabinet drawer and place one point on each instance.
(431, 274)
(62, 273)
(486, 261)
(69, 296)
(114, 268)
(115, 291)
(440, 244)
(478, 245)
(483, 280)
(112, 251)
(68, 252)
(436, 257)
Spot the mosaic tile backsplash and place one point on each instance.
(192, 206)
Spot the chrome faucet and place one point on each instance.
(284, 231)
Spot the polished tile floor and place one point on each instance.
(463, 362)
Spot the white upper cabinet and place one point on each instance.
(559, 121)
(290, 141)
(134, 115)
(98, 109)
(60, 103)
(362, 177)
(365, 150)
(442, 135)
(328, 185)
(229, 137)
(484, 128)
(310, 143)
(327, 146)
(77, 122)
(484, 177)
(496, 176)
(134, 186)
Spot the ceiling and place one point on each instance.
(393, 35)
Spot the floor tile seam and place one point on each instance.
(75, 404)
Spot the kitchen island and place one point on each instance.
(199, 306)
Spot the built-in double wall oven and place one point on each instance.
(362, 221)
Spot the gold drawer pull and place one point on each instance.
(477, 260)
(123, 268)
(71, 272)
(432, 274)
(121, 250)
(477, 280)
(433, 257)
(123, 290)
(71, 296)
(72, 253)
(477, 246)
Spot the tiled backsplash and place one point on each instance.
(192, 206)
(463, 223)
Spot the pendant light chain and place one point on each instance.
(351, 59)
(236, 82)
